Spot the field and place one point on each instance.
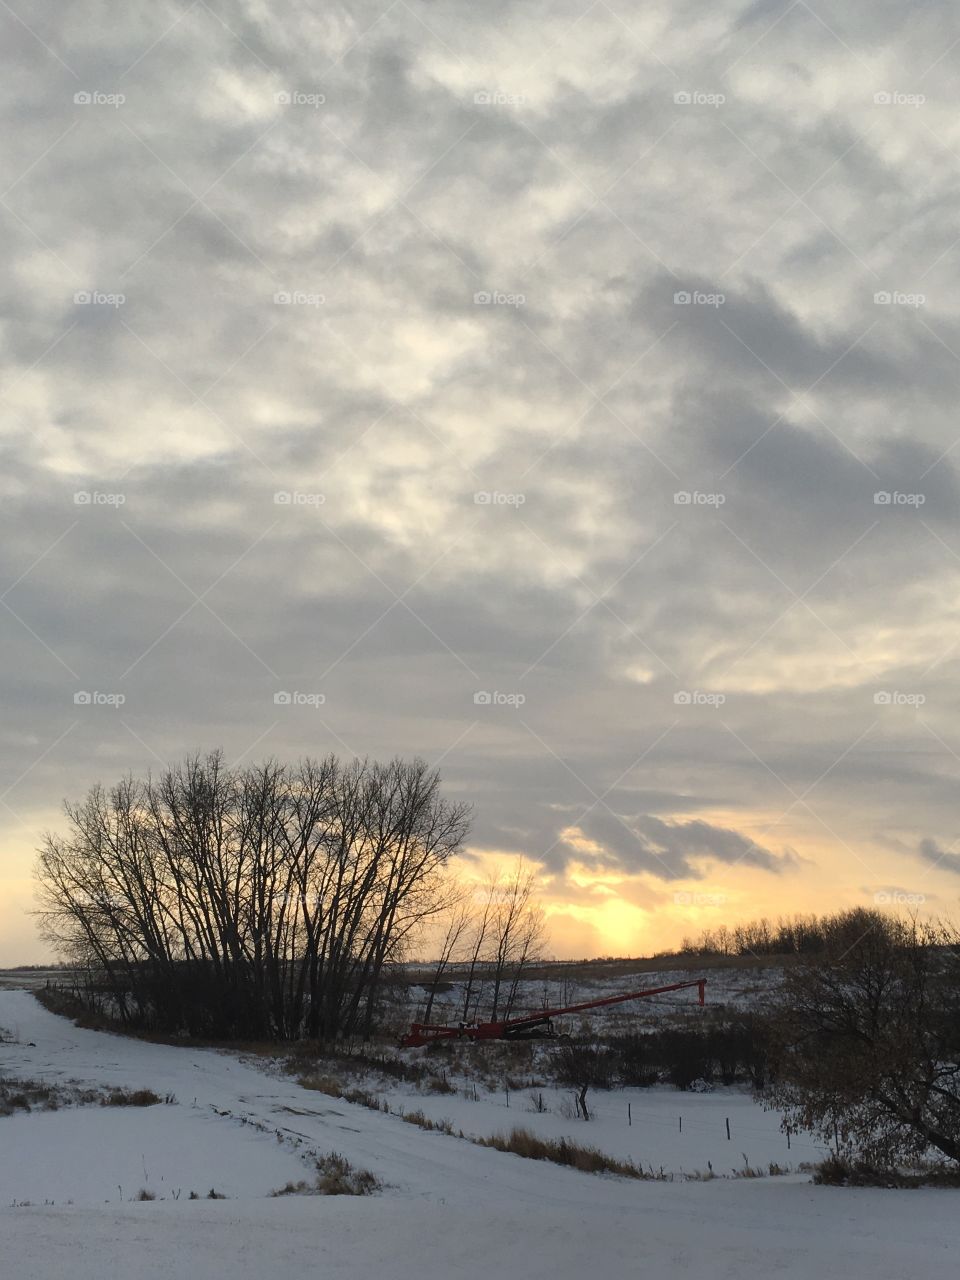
(70, 1179)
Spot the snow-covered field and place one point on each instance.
(449, 1208)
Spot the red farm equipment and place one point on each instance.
(531, 1026)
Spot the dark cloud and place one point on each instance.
(943, 859)
(678, 850)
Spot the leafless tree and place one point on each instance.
(866, 1038)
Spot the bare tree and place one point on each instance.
(867, 1038)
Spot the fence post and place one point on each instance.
(629, 1116)
(728, 1128)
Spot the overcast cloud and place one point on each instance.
(565, 393)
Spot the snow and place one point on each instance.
(450, 1209)
(682, 1133)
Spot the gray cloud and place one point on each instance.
(462, 150)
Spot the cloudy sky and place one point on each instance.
(566, 393)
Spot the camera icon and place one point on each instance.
(683, 498)
(282, 299)
(283, 98)
(482, 299)
(682, 698)
(82, 99)
(282, 699)
(482, 699)
(882, 299)
(883, 99)
(482, 498)
(681, 299)
(283, 498)
(882, 699)
(82, 699)
(482, 98)
(82, 298)
(882, 499)
(81, 498)
(682, 98)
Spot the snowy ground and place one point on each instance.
(681, 1133)
(450, 1209)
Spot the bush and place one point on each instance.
(844, 1171)
(137, 1098)
(336, 1176)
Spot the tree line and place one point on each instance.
(789, 935)
(255, 902)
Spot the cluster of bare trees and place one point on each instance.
(253, 902)
(494, 932)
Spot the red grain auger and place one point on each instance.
(532, 1026)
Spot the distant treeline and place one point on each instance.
(790, 935)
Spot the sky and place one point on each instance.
(563, 393)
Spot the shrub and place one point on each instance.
(439, 1084)
(336, 1176)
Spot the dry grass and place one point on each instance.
(329, 1085)
(135, 1098)
(521, 1142)
(336, 1176)
(432, 1126)
(36, 1095)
